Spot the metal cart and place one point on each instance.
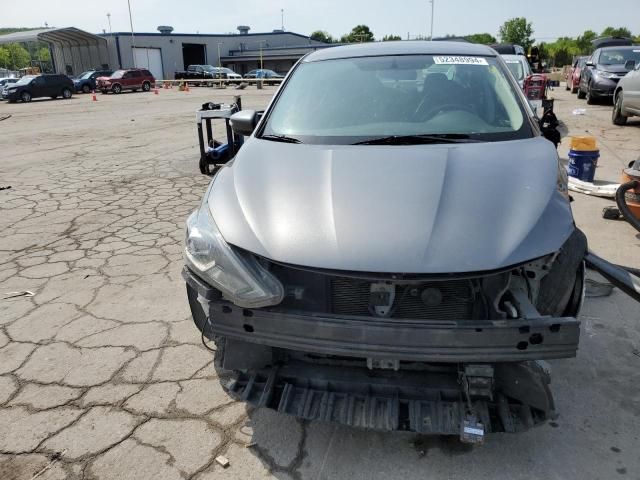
(214, 154)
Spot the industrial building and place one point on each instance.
(165, 52)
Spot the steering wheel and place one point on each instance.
(442, 108)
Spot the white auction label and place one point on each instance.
(455, 60)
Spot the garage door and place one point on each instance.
(149, 58)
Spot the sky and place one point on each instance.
(550, 18)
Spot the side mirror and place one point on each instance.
(630, 65)
(244, 122)
(590, 64)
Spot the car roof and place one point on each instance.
(520, 58)
(414, 47)
(620, 47)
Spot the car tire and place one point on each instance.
(134, 89)
(86, 88)
(25, 97)
(53, 97)
(66, 93)
(117, 89)
(104, 91)
(617, 117)
(581, 93)
(591, 99)
(146, 86)
(574, 88)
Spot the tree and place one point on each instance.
(391, 38)
(43, 55)
(18, 56)
(616, 32)
(359, 33)
(517, 31)
(322, 36)
(562, 51)
(4, 57)
(484, 38)
(584, 41)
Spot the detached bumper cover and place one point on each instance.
(484, 341)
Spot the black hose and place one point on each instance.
(621, 278)
(622, 203)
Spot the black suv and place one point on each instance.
(34, 86)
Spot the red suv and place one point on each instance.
(130, 79)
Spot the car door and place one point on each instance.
(38, 87)
(585, 78)
(632, 92)
(127, 80)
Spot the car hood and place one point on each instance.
(394, 209)
(620, 68)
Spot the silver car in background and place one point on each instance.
(519, 67)
(626, 99)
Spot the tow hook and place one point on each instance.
(477, 381)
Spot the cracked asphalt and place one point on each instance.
(103, 375)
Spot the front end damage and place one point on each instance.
(459, 354)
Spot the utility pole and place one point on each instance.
(109, 19)
(282, 19)
(133, 40)
(432, 9)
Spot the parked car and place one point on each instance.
(329, 261)
(231, 75)
(267, 75)
(201, 72)
(603, 71)
(4, 82)
(86, 81)
(133, 79)
(36, 86)
(519, 67)
(573, 77)
(626, 99)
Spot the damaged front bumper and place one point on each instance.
(449, 377)
(485, 341)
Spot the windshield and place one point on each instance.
(26, 79)
(516, 68)
(351, 100)
(86, 75)
(118, 74)
(227, 70)
(619, 56)
(208, 68)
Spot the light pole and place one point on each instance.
(109, 19)
(220, 63)
(432, 9)
(133, 40)
(282, 19)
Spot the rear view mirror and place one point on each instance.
(244, 122)
(630, 65)
(590, 64)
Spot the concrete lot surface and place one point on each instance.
(103, 375)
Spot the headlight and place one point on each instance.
(606, 74)
(12, 89)
(240, 277)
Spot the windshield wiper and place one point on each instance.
(419, 139)
(280, 138)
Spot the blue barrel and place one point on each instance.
(582, 165)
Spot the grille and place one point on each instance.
(351, 297)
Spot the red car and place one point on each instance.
(573, 78)
(130, 79)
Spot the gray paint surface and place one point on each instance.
(402, 209)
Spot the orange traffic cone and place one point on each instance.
(186, 87)
(155, 90)
(93, 96)
(165, 86)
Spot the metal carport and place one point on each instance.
(72, 50)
